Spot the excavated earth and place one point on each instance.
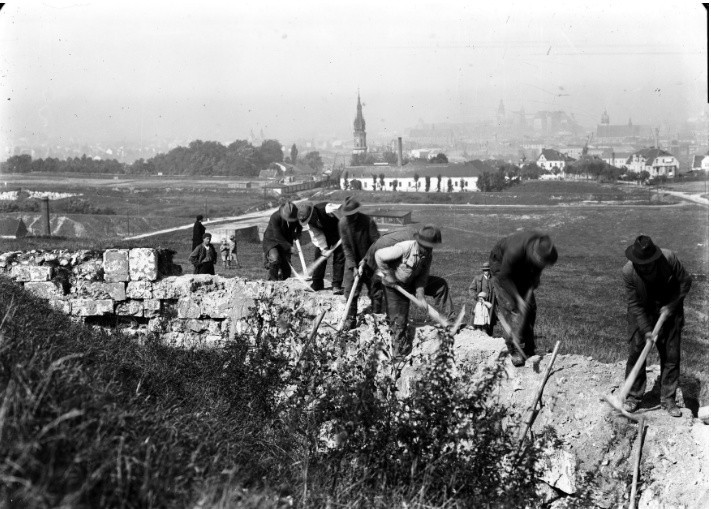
(593, 464)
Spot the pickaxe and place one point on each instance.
(533, 409)
(301, 278)
(354, 289)
(325, 255)
(617, 401)
(509, 330)
(432, 312)
(301, 257)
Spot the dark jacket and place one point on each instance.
(327, 223)
(482, 284)
(280, 233)
(202, 254)
(645, 309)
(511, 266)
(198, 232)
(357, 237)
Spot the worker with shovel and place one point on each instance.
(403, 259)
(358, 232)
(282, 230)
(517, 262)
(322, 224)
(656, 283)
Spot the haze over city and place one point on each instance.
(136, 72)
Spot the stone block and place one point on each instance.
(197, 325)
(188, 308)
(63, 306)
(116, 265)
(40, 273)
(44, 289)
(558, 470)
(216, 304)
(158, 325)
(21, 273)
(139, 290)
(151, 307)
(99, 290)
(143, 264)
(130, 308)
(168, 288)
(91, 307)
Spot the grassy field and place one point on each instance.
(581, 300)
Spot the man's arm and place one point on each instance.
(347, 246)
(195, 255)
(634, 304)
(473, 289)
(387, 255)
(318, 238)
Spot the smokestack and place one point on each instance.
(656, 137)
(399, 150)
(44, 216)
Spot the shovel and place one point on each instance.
(301, 257)
(354, 289)
(325, 255)
(301, 279)
(617, 401)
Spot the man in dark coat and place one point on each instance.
(655, 282)
(322, 224)
(517, 262)
(404, 259)
(204, 256)
(483, 283)
(282, 230)
(198, 232)
(358, 232)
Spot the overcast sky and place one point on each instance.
(160, 70)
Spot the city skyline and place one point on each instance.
(158, 73)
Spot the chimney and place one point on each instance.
(44, 216)
(656, 137)
(399, 150)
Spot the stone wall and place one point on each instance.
(132, 289)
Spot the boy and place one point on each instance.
(481, 313)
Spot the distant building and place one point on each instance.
(359, 143)
(552, 159)
(607, 131)
(616, 159)
(463, 176)
(658, 162)
(700, 163)
(11, 228)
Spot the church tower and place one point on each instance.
(605, 120)
(359, 144)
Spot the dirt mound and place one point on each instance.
(675, 455)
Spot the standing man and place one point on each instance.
(321, 223)
(198, 232)
(403, 259)
(204, 256)
(279, 237)
(483, 283)
(358, 232)
(655, 282)
(517, 262)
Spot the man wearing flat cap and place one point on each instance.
(358, 232)
(655, 282)
(282, 230)
(516, 263)
(483, 283)
(322, 224)
(404, 259)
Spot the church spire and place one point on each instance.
(359, 144)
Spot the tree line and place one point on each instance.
(239, 158)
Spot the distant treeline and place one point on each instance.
(239, 158)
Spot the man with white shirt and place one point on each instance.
(404, 259)
(322, 224)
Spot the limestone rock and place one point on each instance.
(167, 289)
(139, 290)
(130, 308)
(63, 306)
(44, 289)
(91, 307)
(99, 290)
(116, 265)
(216, 304)
(188, 308)
(40, 272)
(151, 307)
(143, 264)
(21, 273)
(558, 470)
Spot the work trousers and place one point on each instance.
(524, 326)
(669, 348)
(205, 268)
(339, 263)
(278, 259)
(375, 292)
(398, 308)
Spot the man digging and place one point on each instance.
(517, 262)
(322, 224)
(404, 260)
(282, 230)
(655, 283)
